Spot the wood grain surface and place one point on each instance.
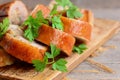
(102, 31)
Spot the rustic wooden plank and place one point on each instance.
(102, 31)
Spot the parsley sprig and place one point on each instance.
(80, 48)
(4, 26)
(40, 65)
(56, 65)
(54, 10)
(55, 19)
(33, 25)
(60, 65)
(72, 11)
(57, 23)
(64, 3)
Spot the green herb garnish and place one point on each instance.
(58, 65)
(57, 23)
(72, 11)
(54, 52)
(40, 65)
(55, 19)
(80, 49)
(64, 3)
(33, 25)
(54, 10)
(4, 26)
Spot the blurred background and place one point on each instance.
(107, 9)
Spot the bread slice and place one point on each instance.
(79, 29)
(19, 47)
(15, 10)
(62, 40)
(5, 58)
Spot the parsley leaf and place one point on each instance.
(64, 3)
(54, 51)
(39, 17)
(54, 10)
(73, 12)
(32, 30)
(79, 49)
(57, 23)
(33, 25)
(60, 65)
(40, 65)
(4, 26)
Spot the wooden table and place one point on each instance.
(108, 9)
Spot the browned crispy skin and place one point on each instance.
(79, 29)
(87, 16)
(21, 50)
(4, 8)
(5, 58)
(45, 10)
(59, 38)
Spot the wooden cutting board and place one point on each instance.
(102, 31)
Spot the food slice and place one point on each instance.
(48, 35)
(79, 29)
(45, 10)
(87, 16)
(5, 58)
(57, 37)
(16, 11)
(19, 47)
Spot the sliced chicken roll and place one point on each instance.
(79, 29)
(19, 47)
(16, 11)
(57, 37)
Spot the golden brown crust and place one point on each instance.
(4, 8)
(5, 59)
(45, 10)
(61, 39)
(87, 16)
(79, 29)
(21, 50)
